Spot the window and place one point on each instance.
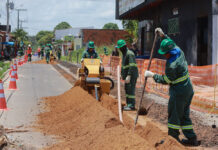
(173, 26)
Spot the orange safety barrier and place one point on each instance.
(204, 79)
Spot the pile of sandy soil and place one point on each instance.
(43, 62)
(81, 122)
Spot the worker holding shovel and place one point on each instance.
(129, 73)
(181, 90)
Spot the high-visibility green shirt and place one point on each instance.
(47, 50)
(88, 54)
(176, 75)
(129, 65)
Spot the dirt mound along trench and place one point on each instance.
(82, 123)
(43, 62)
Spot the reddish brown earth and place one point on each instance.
(43, 62)
(158, 113)
(81, 122)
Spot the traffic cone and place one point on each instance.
(15, 63)
(18, 62)
(13, 84)
(15, 72)
(3, 105)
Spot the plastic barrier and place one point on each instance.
(204, 79)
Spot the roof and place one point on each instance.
(103, 36)
(59, 34)
(141, 8)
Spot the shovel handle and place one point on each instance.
(143, 90)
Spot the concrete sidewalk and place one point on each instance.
(35, 81)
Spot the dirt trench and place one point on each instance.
(158, 113)
(81, 122)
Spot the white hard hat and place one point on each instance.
(29, 45)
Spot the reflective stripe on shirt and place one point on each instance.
(130, 65)
(177, 80)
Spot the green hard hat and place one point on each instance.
(166, 45)
(121, 43)
(91, 44)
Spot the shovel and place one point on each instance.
(145, 110)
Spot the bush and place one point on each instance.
(72, 57)
(5, 66)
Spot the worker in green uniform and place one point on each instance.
(47, 53)
(42, 52)
(105, 51)
(59, 53)
(90, 52)
(181, 90)
(129, 73)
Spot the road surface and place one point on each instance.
(35, 81)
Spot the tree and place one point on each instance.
(110, 25)
(62, 25)
(20, 35)
(40, 34)
(46, 39)
(132, 27)
(68, 38)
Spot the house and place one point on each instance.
(60, 34)
(192, 24)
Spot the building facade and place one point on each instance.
(192, 24)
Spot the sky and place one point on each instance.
(46, 14)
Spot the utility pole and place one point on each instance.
(18, 17)
(7, 7)
(21, 23)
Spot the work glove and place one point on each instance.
(128, 79)
(159, 31)
(149, 74)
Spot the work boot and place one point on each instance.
(191, 142)
(127, 108)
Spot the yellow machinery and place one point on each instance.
(92, 78)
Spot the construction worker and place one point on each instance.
(47, 53)
(42, 52)
(90, 52)
(59, 53)
(105, 51)
(29, 53)
(129, 73)
(39, 52)
(181, 90)
(115, 52)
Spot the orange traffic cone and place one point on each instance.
(18, 62)
(15, 72)
(3, 105)
(11, 69)
(13, 84)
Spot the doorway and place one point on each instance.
(202, 36)
(142, 41)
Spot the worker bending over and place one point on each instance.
(181, 90)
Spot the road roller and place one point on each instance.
(92, 78)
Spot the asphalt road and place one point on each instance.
(35, 81)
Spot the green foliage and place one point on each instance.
(68, 38)
(62, 25)
(132, 27)
(5, 67)
(20, 35)
(110, 25)
(41, 34)
(99, 50)
(44, 37)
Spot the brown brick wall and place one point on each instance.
(102, 36)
